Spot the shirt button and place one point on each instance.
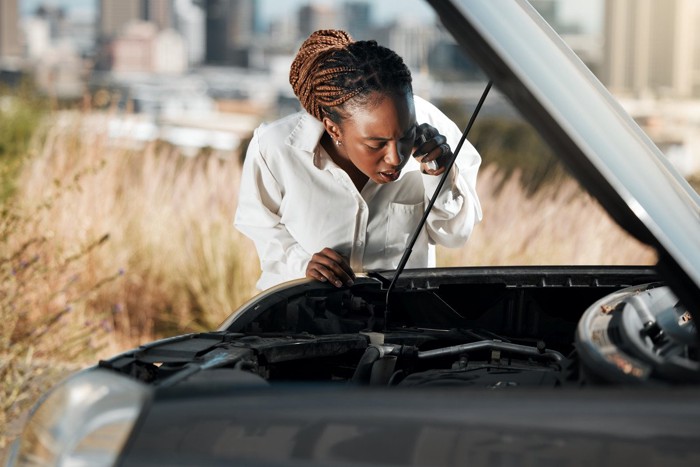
(362, 207)
(359, 243)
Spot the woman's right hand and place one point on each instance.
(329, 266)
(431, 149)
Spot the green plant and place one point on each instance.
(21, 113)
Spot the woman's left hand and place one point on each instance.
(431, 149)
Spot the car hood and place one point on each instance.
(595, 138)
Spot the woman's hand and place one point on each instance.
(329, 266)
(431, 149)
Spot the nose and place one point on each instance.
(394, 155)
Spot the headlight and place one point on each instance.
(84, 421)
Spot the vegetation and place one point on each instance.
(512, 146)
(557, 225)
(21, 112)
(105, 246)
(514, 149)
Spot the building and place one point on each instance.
(313, 17)
(143, 48)
(10, 46)
(230, 32)
(114, 15)
(357, 18)
(412, 40)
(649, 47)
(159, 12)
(133, 49)
(38, 40)
(55, 44)
(58, 72)
(189, 22)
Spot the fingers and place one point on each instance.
(431, 145)
(432, 150)
(435, 158)
(427, 139)
(329, 266)
(424, 132)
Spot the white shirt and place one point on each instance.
(295, 201)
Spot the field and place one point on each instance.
(106, 245)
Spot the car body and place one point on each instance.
(452, 366)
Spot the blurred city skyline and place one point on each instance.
(637, 48)
(172, 58)
(588, 15)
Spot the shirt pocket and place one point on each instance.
(402, 220)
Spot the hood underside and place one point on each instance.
(587, 129)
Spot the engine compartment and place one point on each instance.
(496, 329)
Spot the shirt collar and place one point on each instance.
(306, 134)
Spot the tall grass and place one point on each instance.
(557, 225)
(109, 247)
(169, 222)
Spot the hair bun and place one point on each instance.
(312, 52)
(329, 38)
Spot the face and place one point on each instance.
(378, 137)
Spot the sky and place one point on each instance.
(588, 13)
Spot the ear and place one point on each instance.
(332, 128)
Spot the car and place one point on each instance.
(557, 365)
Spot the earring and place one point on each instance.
(337, 142)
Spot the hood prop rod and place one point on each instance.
(409, 247)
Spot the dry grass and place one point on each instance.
(557, 225)
(169, 222)
(107, 247)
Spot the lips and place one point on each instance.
(389, 175)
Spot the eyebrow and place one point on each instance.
(382, 138)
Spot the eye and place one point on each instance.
(376, 146)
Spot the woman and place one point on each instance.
(333, 190)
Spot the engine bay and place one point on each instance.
(508, 329)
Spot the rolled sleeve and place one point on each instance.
(457, 208)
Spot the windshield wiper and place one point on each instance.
(409, 247)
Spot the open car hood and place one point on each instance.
(586, 127)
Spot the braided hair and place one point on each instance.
(330, 69)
